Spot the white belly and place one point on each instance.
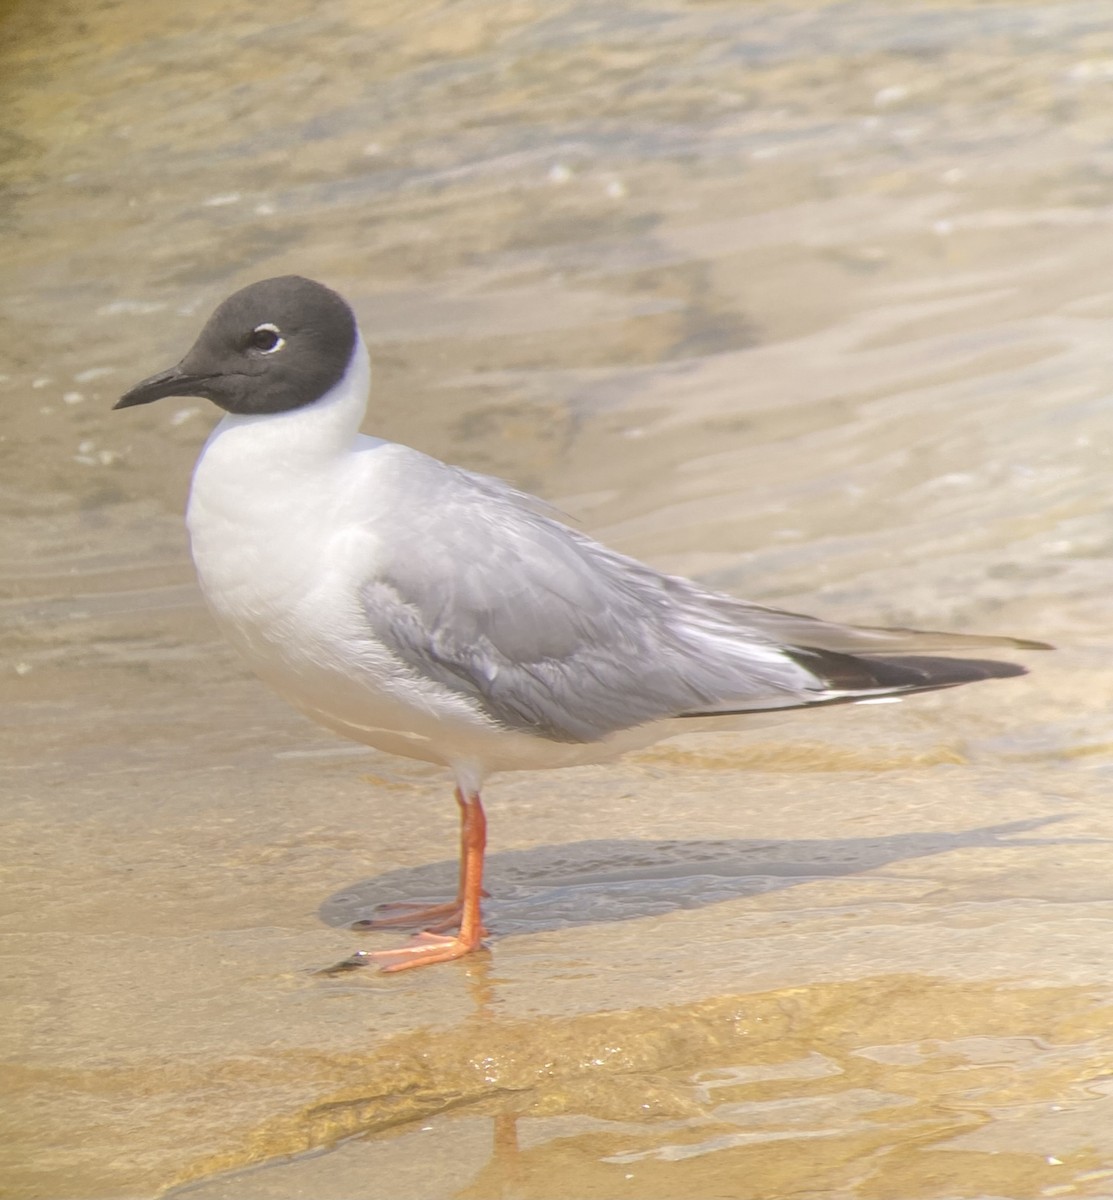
(281, 565)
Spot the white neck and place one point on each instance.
(318, 431)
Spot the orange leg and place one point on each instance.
(430, 947)
(437, 918)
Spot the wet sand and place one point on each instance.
(809, 301)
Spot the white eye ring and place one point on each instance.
(279, 340)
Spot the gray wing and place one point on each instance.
(550, 632)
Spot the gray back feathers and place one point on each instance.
(549, 632)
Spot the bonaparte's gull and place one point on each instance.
(443, 615)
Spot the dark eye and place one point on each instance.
(266, 339)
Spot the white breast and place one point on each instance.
(283, 526)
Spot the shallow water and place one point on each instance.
(811, 301)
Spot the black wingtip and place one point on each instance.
(901, 673)
(928, 671)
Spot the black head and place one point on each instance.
(275, 345)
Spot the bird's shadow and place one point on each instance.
(589, 882)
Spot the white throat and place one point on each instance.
(299, 437)
(270, 494)
(262, 482)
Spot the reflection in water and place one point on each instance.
(810, 300)
(890, 1086)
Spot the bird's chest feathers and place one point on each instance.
(277, 556)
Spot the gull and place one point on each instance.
(443, 615)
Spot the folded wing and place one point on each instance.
(547, 631)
